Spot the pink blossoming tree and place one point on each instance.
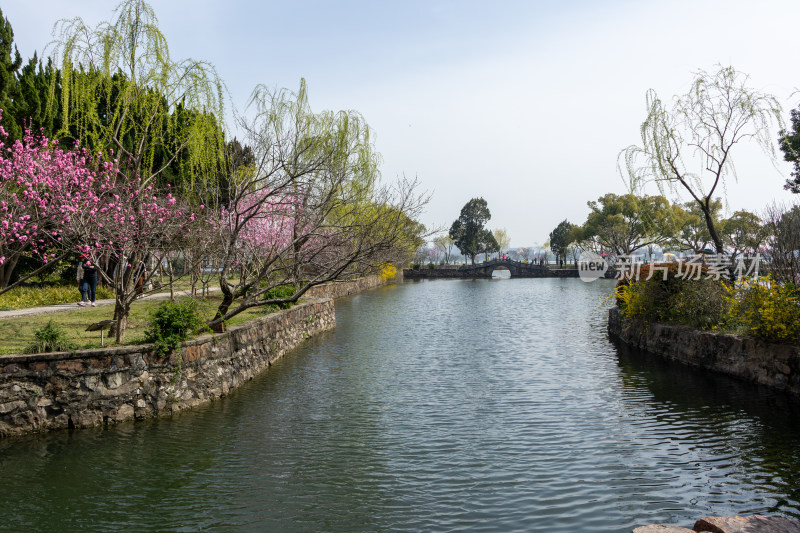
(54, 202)
(38, 180)
(137, 224)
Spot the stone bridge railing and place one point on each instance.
(518, 269)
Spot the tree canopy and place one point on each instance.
(789, 142)
(626, 223)
(124, 95)
(29, 92)
(691, 230)
(10, 62)
(444, 245)
(743, 232)
(560, 239)
(502, 238)
(309, 209)
(468, 231)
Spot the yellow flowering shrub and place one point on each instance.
(388, 271)
(767, 309)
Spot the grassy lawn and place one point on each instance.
(17, 333)
(26, 297)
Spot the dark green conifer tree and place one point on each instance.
(9, 85)
(39, 103)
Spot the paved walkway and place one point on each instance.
(60, 308)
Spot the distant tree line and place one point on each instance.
(698, 131)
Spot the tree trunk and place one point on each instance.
(107, 267)
(6, 269)
(171, 282)
(712, 229)
(121, 310)
(227, 299)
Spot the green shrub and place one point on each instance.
(283, 291)
(700, 303)
(650, 294)
(172, 323)
(50, 338)
(765, 309)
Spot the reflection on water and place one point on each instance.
(434, 406)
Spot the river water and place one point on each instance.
(481, 405)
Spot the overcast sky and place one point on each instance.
(525, 103)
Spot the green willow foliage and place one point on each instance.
(699, 131)
(121, 92)
(333, 143)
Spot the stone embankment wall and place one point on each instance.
(441, 273)
(747, 358)
(104, 386)
(97, 387)
(338, 289)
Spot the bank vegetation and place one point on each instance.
(116, 152)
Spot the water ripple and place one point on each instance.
(437, 406)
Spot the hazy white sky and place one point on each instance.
(526, 103)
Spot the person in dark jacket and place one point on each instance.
(87, 282)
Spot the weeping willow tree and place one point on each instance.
(309, 210)
(331, 145)
(689, 146)
(122, 94)
(326, 158)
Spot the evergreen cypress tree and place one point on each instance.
(9, 85)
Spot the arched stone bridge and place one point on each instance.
(517, 269)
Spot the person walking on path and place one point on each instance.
(87, 282)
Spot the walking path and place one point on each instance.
(60, 308)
